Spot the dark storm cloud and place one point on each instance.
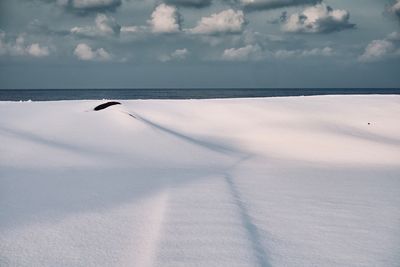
(83, 7)
(272, 4)
(90, 5)
(189, 3)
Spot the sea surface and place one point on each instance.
(81, 94)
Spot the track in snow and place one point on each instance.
(192, 211)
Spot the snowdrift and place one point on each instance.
(297, 181)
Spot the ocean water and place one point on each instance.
(80, 94)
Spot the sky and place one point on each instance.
(199, 44)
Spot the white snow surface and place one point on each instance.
(293, 181)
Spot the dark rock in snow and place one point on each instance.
(106, 105)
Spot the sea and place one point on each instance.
(120, 94)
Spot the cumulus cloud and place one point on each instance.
(394, 37)
(37, 51)
(248, 52)
(85, 52)
(318, 19)
(19, 48)
(254, 5)
(381, 49)
(395, 8)
(107, 24)
(165, 19)
(190, 3)
(298, 53)
(84, 6)
(104, 26)
(227, 21)
(179, 54)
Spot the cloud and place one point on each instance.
(318, 19)
(36, 27)
(380, 49)
(19, 48)
(107, 25)
(255, 5)
(227, 21)
(86, 53)
(104, 26)
(3, 48)
(130, 29)
(394, 36)
(179, 54)
(190, 3)
(255, 52)
(298, 53)
(395, 8)
(248, 52)
(85, 6)
(165, 19)
(37, 51)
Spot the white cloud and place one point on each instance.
(255, 52)
(326, 52)
(254, 5)
(381, 49)
(130, 29)
(86, 31)
(19, 48)
(394, 36)
(227, 21)
(248, 52)
(377, 49)
(318, 19)
(298, 53)
(38, 51)
(104, 26)
(132, 32)
(165, 19)
(85, 52)
(179, 54)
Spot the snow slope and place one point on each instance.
(300, 181)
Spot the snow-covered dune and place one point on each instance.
(300, 181)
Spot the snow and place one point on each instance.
(292, 181)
